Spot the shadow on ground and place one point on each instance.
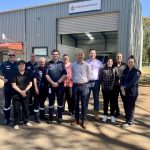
(97, 136)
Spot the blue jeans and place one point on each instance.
(94, 86)
(80, 92)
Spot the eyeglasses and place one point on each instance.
(11, 55)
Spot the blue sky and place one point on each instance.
(15, 4)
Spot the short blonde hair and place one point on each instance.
(42, 59)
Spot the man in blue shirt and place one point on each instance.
(7, 71)
(55, 75)
(80, 76)
(94, 83)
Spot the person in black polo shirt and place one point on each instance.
(21, 83)
(31, 67)
(55, 75)
(7, 70)
(41, 90)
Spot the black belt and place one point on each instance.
(79, 84)
(93, 80)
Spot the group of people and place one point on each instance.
(29, 84)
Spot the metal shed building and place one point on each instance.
(115, 26)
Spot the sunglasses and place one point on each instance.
(11, 55)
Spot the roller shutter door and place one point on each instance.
(91, 23)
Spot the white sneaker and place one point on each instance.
(104, 118)
(28, 124)
(125, 125)
(16, 127)
(113, 119)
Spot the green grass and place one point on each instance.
(145, 77)
(146, 70)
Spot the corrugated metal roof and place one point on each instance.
(47, 4)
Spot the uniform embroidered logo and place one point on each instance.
(138, 73)
(28, 67)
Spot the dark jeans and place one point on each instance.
(80, 92)
(58, 92)
(129, 105)
(8, 97)
(108, 96)
(17, 105)
(94, 86)
(68, 97)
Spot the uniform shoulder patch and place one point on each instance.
(138, 73)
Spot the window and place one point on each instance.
(40, 51)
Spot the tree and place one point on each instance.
(146, 41)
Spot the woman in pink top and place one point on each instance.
(68, 83)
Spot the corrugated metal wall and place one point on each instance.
(37, 26)
(12, 24)
(135, 32)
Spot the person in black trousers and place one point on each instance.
(129, 89)
(21, 83)
(68, 83)
(108, 78)
(7, 70)
(41, 90)
(55, 75)
(119, 67)
(31, 67)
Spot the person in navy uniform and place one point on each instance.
(21, 83)
(55, 75)
(41, 90)
(129, 89)
(7, 70)
(119, 67)
(30, 67)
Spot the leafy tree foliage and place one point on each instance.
(146, 42)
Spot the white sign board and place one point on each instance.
(40, 51)
(84, 6)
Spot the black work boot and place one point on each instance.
(49, 121)
(6, 121)
(59, 120)
(37, 117)
(42, 115)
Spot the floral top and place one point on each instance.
(68, 81)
